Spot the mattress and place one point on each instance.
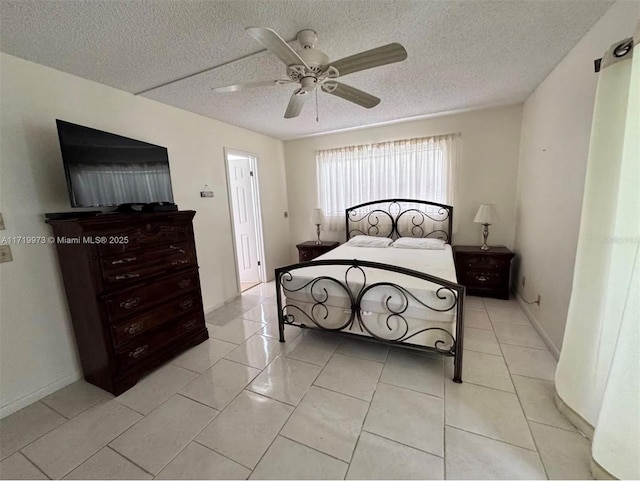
(394, 310)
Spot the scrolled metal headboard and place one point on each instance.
(394, 218)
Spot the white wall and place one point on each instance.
(556, 125)
(37, 348)
(488, 168)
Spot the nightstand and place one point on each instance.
(484, 273)
(309, 249)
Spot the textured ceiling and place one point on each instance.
(461, 54)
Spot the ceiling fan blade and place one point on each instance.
(351, 94)
(387, 54)
(250, 85)
(295, 105)
(276, 45)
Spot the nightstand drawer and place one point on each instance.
(484, 262)
(483, 279)
(309, 254)
(310, 250)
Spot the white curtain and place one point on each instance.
(598, 373)
(421, 168)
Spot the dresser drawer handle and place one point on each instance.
(130, 303)
(179, 262)
(127, 276)
(148, 228)
(134, 327)
(124, 260)
(141, 350)
(189, 324)
(185, 283)
(178, 249)
(482, 278)
(185, 305)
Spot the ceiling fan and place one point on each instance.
(311, 68)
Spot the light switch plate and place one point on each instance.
(1, 222)
(5, 253)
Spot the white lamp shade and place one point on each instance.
(317, 216)
(486, 214)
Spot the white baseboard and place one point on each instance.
(39, 394)
(536, 324)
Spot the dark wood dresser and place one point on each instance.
(133, 290)
(484, 273)
(310, 250)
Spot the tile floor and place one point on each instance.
(242, 405)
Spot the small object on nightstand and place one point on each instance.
(484, 273)
(317, 218)
(310, 249)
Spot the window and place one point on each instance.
(421, 168)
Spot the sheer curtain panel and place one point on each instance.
(598, 374)
(421, 168)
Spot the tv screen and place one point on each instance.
(105, 169)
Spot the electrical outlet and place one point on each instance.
(538, 300)
(524, 281)
(1, 222)
(5, 253)
(206, 193)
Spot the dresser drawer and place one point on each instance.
(146, 234)
(132, 355)
(142, 297)
(484, 262)
(125, 267)
(187, 307)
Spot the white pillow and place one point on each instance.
(419, 243)
(369, 242)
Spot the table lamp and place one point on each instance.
(486, 216)
(317, 218)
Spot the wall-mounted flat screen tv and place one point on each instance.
(105, 169)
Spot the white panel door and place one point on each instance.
(240, 183)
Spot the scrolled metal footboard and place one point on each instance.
(332, 303)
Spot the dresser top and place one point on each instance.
(115, 217)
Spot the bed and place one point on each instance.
(397, 296)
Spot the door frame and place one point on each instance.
(255, 189)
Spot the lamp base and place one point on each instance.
(318, 234)
(485, 234)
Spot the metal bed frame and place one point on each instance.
(390, 218)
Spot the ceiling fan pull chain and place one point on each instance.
(317, 118)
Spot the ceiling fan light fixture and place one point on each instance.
(308, 84)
